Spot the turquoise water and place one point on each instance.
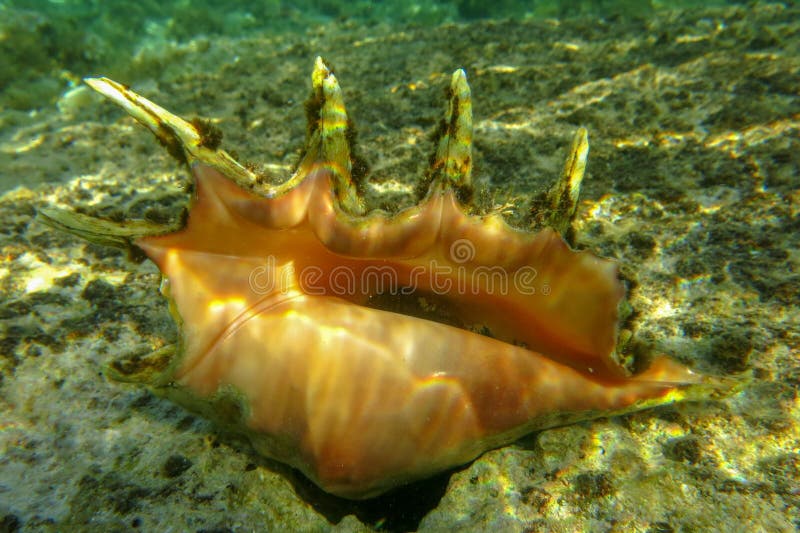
(49, 46)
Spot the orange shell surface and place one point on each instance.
(272, 292)
(370, 350)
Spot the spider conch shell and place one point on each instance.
(275, 291)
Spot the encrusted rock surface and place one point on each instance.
(692, 184)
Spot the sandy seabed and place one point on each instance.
(693, 185)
